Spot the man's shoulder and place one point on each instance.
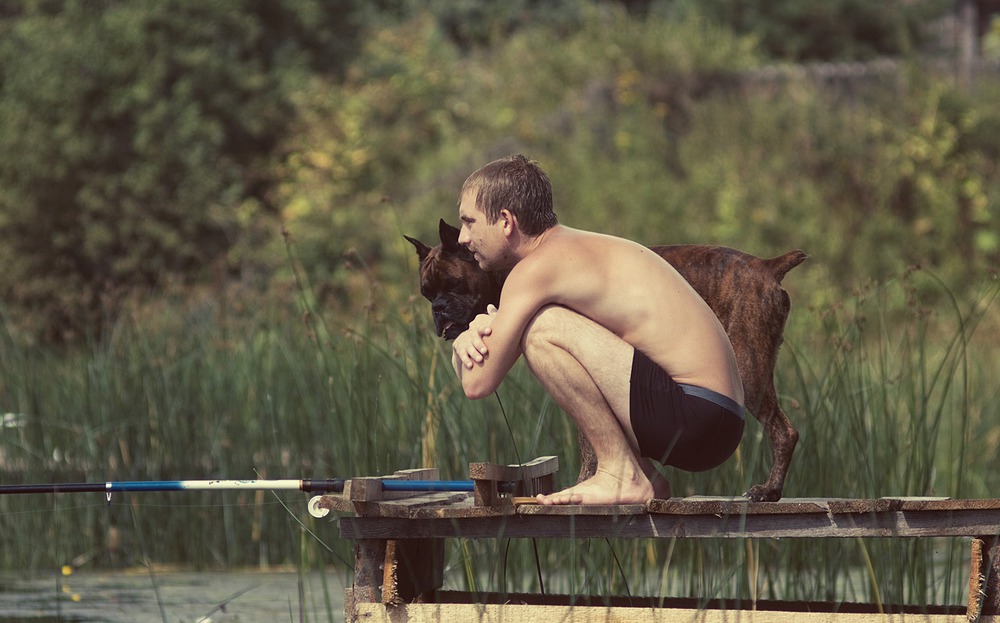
(553, 254)
(564, 240)
(554, 268)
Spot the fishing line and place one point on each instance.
(146, 559)
(534, 542)
(510, 430)
(621, 571)
(306, 528)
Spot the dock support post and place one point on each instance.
(369, 562)
(984, 578)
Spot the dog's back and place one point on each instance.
(745, 293)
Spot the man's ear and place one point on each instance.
(507, 221)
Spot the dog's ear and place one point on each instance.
(449, 242)
(449, 236)
(422, 249)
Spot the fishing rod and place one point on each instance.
(335, 485)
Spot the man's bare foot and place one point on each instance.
(603, 488)
(661, 486)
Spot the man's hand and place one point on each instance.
(469, 347)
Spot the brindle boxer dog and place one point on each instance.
(743, 290)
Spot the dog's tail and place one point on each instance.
(779, 266)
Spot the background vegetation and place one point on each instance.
(156, 323)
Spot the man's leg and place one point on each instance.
(586, 370)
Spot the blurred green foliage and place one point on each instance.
(138, 140)
(147, 145)
(800, 30)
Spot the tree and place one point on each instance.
(825, 30)
(137, 138)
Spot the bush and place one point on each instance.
(138, 140)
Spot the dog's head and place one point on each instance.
(450, 278)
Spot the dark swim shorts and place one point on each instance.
(686, 426)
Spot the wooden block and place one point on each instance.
(485, 492)
(412, 567)
(533, 477)
(537, 468)
(369, 489)
(546, 483)
(363, 489)
(420, 473)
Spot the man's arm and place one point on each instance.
(470, 342)
(487, 350)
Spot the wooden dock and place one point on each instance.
(399, 548)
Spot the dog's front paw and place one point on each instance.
(760, 493)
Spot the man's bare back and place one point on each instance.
(628, 289)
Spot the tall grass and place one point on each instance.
(892, 399)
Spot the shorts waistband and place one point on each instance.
(713, 396)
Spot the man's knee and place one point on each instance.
(548, 328)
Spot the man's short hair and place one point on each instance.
(517, 184)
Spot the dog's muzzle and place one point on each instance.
(447, 323)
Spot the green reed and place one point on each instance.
(892, 395)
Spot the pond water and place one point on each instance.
(173, 597)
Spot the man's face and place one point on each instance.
(486, 241)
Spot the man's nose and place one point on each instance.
(463, 236)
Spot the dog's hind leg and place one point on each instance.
(783, 438)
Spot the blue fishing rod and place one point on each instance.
(335, 485)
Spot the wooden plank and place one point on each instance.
(540, 522)
(404, 507)
(456, 505)
(408, 507)
(537, 468)
(467, 613)
(677, 603)
(698, 505)
(583, 509)
(336, 503)
(944, 504)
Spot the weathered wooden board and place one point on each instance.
(792, 518)
(471, 613)
(529, 479)
(542, 466)
(701, 505)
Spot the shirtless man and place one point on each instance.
(614, 334)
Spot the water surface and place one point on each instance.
(173, 597)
